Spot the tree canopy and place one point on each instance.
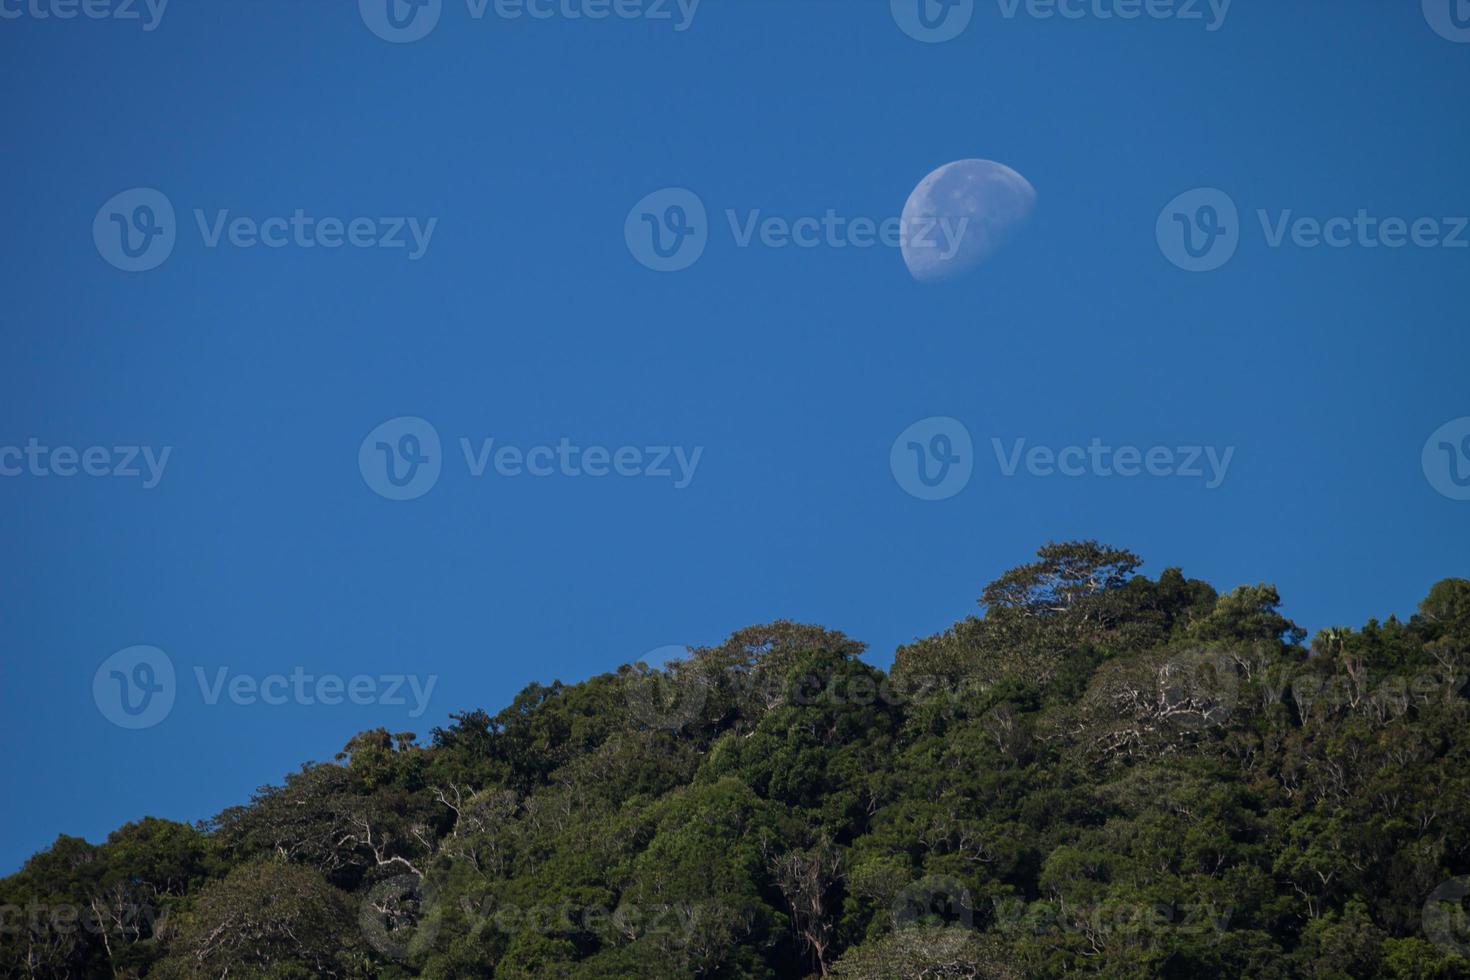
(1099, 774)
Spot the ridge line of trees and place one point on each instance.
(1098, 773)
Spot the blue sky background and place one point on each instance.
(528, 320)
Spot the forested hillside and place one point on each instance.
(1100, 773)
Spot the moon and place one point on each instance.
(960, 215)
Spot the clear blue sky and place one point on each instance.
(263, 549)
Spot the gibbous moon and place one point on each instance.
(960, 214)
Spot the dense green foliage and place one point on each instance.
(1103, 774)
